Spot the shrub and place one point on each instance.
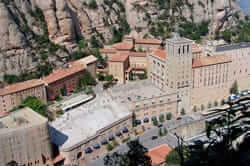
(92, 4)
(169, 116)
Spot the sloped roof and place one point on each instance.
(210, 60)
(20, 86)
(160, 53)
(158, 154)
(138, 54)
(62, 73)
(107, 50)
(148, 41)
(121, 57)
(123, 46)
(85, 61)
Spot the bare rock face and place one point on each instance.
(27, 24)
(11, 37)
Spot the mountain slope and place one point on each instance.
(38, 35)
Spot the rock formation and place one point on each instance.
(31, 28)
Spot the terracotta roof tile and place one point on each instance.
(148, 41)
(160, 53)
(121, 57)
(210, 60)
(13, 88)
(123, 46)
(138, 54)
(62, 73)
(107, 50)
(158, 154)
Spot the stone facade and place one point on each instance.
(13, 95)
(24, 138)
(77, 154)
(63, 78)
(155, 107)
(136, 50)
(117, 67)
(211, 81)
(202, 80)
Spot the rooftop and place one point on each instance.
(82, 123)
(138, 54)
(135, 91)
(20, 119)
(232, 47)
(21, 86)
(210, 60)
(160, 53)
(148, 41)
(121, 57)
(123, 46)
(62, 73)
(108, 50)
(158, 154)
(177, 39)
(85, 61)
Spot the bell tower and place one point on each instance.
(179, 70)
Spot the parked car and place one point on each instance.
(179, 118)
(160, 125)
(154, 137)
(244, 93)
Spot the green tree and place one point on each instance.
(94, 42)
(161, 118)
(93, 4)
(165, 131)
(209, 105)
(173, 158)
(133, 119)
(80, 82)
(109, 77)
(227, 35)
(100, 77)
(88, 79)
(155, 122)
(228, 139)
(36, 105)
(135, 156)
(115, 143)
(202, 107)
(222, 102)
(195, 108)
(109, 147)
(183, 112)
(169, 116)
(63, 90)
(234, 89)
(160, 133)
(82, 44)
(216, 103)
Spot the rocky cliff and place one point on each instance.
(40, 33)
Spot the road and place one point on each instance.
(146, 140)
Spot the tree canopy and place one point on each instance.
(234, 89)
(136, 156)
(36, 105)
(227, 143)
